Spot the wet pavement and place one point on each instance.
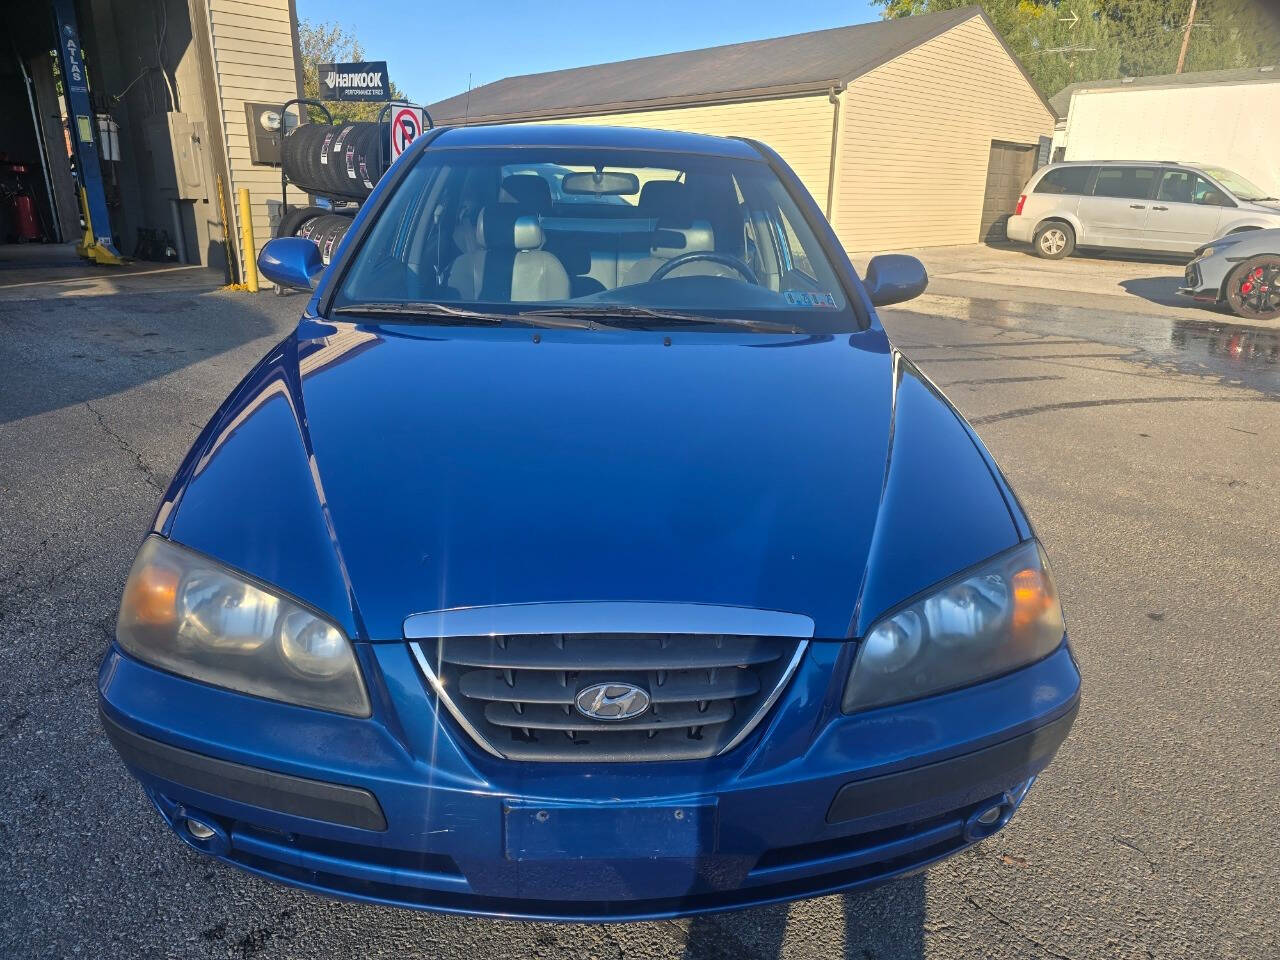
(1143, 438)
(1216, 347)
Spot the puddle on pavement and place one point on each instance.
(1237, 353)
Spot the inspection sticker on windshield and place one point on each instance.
(802, 298)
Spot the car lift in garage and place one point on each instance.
(97, 244)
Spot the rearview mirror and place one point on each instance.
(601, 184)
(893, 278)
(291, 262)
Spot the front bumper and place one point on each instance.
(1198, 286)
(401, 809)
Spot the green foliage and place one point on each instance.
(332, 43)
(1121, 38)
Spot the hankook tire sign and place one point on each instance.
(355, 81)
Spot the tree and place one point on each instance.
(1066, 41)
(323, 42)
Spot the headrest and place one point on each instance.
(671, 241)
(506, 226)
(664, 198)
(527, 189)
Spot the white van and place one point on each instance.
(1157, 207)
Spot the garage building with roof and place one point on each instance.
(911, 132)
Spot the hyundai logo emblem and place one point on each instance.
(612, 701)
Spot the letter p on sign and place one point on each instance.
(406, 124)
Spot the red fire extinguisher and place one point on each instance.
(22, 206)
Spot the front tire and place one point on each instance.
(1053, 240)
(1253, 289)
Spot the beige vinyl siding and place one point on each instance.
(253, 58)
(916, 137)
(799, 128)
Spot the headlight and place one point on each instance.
(994, 618)
(189, 615)
(1208, 250)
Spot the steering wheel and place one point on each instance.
(724, 259)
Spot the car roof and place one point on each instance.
(1120, 163)
(570, 135)
(1199, 167)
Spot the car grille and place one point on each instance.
(515, 695)
(1193, 276)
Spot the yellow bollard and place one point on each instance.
(249, 256)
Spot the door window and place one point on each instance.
(1205, 193)
(1126, 183)
(1176, 186)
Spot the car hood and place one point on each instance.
(380, 471)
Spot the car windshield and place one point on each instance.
(649, 236)
(1241, 188)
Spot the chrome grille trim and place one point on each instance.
(763, 710)
(604, 617)
(432, 678)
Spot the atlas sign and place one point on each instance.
(355, 81)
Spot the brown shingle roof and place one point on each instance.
(803, 63)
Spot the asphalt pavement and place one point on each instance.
(1142, 436)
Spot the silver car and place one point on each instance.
(1241, 270)
(1156, 207)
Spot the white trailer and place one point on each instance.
(1231, 125)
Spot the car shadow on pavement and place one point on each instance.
(1161, 290)
(59, 351)
(884, 923)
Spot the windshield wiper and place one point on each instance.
(447, 313)
(436, 310)
(608, 313)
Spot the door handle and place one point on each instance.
(1137, 206)
(1159, 208)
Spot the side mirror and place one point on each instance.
(291, 262)
(893, 278)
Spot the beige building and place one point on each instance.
(253, 47)
(912, 132)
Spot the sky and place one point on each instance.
(431, 48)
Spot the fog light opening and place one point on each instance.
(989, 817)
(201, 830)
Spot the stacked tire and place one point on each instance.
(326, 231)
(342, 161)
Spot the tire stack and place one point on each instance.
(342, 161)
(322, 227)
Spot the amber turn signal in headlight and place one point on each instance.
(998, 616)
(187, 614)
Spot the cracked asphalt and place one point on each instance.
(1142, 435)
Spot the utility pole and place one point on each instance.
(1186, 37)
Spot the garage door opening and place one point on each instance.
(37, 197)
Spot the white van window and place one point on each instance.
(1065, 180)
(1126, 183)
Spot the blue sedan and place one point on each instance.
(593, 558)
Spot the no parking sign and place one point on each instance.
(406, 124)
